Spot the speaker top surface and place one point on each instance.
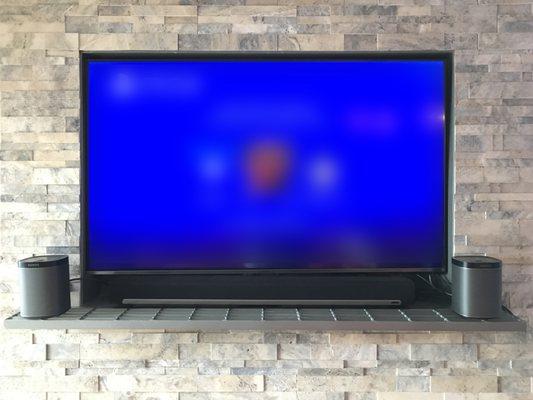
(476, 261)
(43, 261)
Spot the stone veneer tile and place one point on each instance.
(244, 351)
(164, 338)
(231, 337)
(410, 41)
(133, 41)
(361, 338)
(514, 384)
(242, 396)
(45, 383)
(506, 351)
(504, 396)
(111, 396)
(230, 383)
(197, 351)
(313, 338)
(24, 352)
(55, 176)
(464, 384)
(517, 40)
(412, 383)
(16, 337)
(314, 42)
(415, 396)
(114, 336)
(23, 396)
(294, 351)
(345, 383)
(443, 352)
(148, 383)
(127, 351)
(344, 352)
(360, 42)
(61, 351)
(394, 351)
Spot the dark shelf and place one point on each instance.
(269, 318)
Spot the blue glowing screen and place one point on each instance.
(230, 164)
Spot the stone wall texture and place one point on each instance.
(39, 155)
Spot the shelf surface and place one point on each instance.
(268, 318)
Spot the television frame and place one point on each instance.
(444, 56)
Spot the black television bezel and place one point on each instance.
(444, 56)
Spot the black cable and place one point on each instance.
(445, 282)
(430, 283)
(87, 277)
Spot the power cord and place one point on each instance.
(429, 282)
(87, 277)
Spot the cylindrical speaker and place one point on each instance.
(44, 286)
(477, 286)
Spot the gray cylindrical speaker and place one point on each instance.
(477, 286)
(44, 286)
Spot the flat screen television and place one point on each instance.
(230, 163)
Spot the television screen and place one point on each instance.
(266, 162)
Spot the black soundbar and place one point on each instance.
(320, 290)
